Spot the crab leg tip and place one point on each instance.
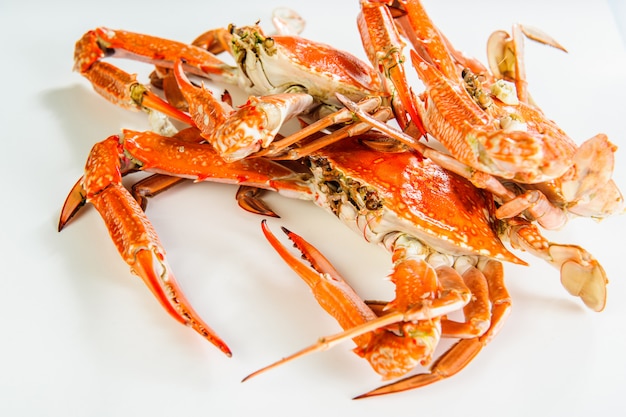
(282, 361)
(374, 393)
(73, 203)
(255, 373)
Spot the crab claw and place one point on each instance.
(150, 264)
(132, 233)
(383, 45)
(331, 292)
(394, 343)
(237, 134)
(460, 355)
(73, 203)
(409, 328)
(505, 54)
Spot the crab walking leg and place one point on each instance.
(122, 88)
(317, 142)
(506, 55)
(152, 186)
(134, 236)
(478, 311)
(344, 115)
(534, 203)
(463, 352)
(581, 274)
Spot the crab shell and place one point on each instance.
(269, 65)
(384, 193)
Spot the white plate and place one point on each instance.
(81, 336)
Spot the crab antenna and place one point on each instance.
(325, 343)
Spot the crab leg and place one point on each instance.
(407, 334)
(464, 351)
(344, 115)
(248, 199)
(581, 274)
(534, 202)
(317, 143)
(237, 134)
(134, 236)
(383, 46)
(506, 55)
(122, 88)
(152, 186)
(477, 312)
(130, 229)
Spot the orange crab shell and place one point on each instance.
(326, 59)
(439, 207)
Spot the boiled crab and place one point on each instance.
(488, 121)
(443, 237)
(496, 135)
(286, 76)
(428, 286)
(439, 228)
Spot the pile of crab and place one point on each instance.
(503, 172)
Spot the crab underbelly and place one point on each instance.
(270, 76)
(376, 229)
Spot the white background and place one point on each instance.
(80, 336)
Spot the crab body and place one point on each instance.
(403, 192)
(445, 235)
(279, 64)
(488, 123)
(286, 76)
